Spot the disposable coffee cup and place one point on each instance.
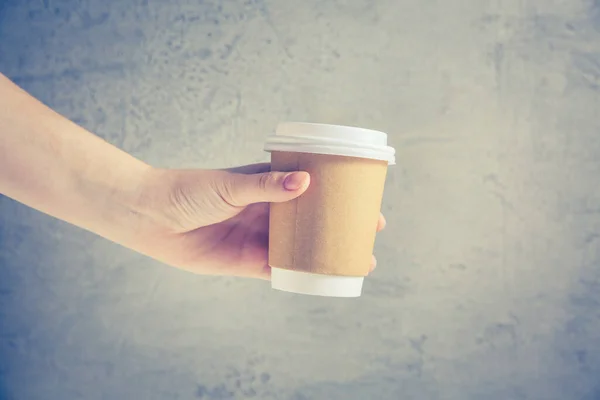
(322, 242)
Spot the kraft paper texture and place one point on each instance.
(331, 228)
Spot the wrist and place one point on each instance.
(154, 200)
(111, 201)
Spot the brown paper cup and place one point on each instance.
(322, 242)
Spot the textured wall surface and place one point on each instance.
(488, 283)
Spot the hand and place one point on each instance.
(215, 222)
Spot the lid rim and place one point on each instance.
(372, 154)
(317, 141)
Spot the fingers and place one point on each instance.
(373, 264)
(381, 223)
(265, 273)
(241, 190)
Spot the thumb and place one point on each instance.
(272, 187)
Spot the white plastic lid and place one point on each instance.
(316, 284)
(336, 140)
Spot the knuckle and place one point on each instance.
(266, 180)
(224, 187)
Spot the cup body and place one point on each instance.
(322, 242)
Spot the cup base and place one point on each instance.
(316, 284)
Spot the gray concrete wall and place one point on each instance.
(488, 283)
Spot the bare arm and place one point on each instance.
(57, 167)
(204, 221)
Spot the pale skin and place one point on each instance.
(212, 222)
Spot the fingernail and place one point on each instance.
(294, 181)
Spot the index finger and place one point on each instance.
(251, 169)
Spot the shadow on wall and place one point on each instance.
(9, 331)
(17, 243)
(577, 342)
(5, 284)
(9, 282)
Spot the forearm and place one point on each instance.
(55, 166)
